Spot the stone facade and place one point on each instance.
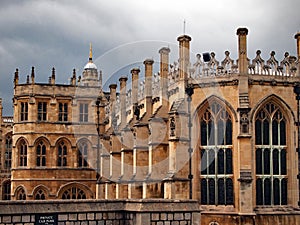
(6, 128)
(222, 133)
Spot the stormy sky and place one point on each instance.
(50, 33)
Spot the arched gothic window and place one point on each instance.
(40, 195)
(8, 152)
(74, 193)
(6, 190)
(271, 151)
(21, 195)
(41, 154)
(216, 156)
(62, 154)
(83, 154)
(22, 153)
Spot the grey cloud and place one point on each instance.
(57, 33)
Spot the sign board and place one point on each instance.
(46, 219)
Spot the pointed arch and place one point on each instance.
(215, 98)
(40, 192)
(286, 109)
(41, 145)
(20, 193)
(270, 128)
(22, 146)
(6, 189)
(215, 140)
(83, 151)
(8, 151)
(63, 146)
(74, 190)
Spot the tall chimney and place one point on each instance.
(242, 48)
(135, 81)
(32, 75)
(53, 76)
(112, 100)
(148, 84)
(123, 101)
(184, 55)
(164, 71)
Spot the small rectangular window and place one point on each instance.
(83, 112)
(24, 111)
(42, 111)
(63, 112)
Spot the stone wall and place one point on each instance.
(106, 212)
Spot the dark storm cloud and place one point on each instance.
(57, 33)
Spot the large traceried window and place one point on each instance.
(216, 156)
(271, 153)
(22, 153)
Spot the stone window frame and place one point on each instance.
(20, 193)
(82, 154)
(8, 151)
(63, 111)
(84, 112)
(23, 111)
(6, 190)
(215, 182)
(271, 178)
(41, 154)
(42, 110)
(23, 149)
(74, 192)
(62, 154)
(40, 194)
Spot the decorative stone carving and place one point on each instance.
(172, 126)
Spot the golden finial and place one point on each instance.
(91, 53)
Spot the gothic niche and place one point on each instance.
(244, 121)
(172, 126)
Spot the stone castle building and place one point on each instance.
(223, 133)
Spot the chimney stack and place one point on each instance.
(243, 61)
(112, 100)
(32, 75)
(164, 71)
(184, 55)
(148, 84)
(135, 81)
(53, 76)
(123, 101)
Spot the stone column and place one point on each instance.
(148, 85)
(244, 139)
